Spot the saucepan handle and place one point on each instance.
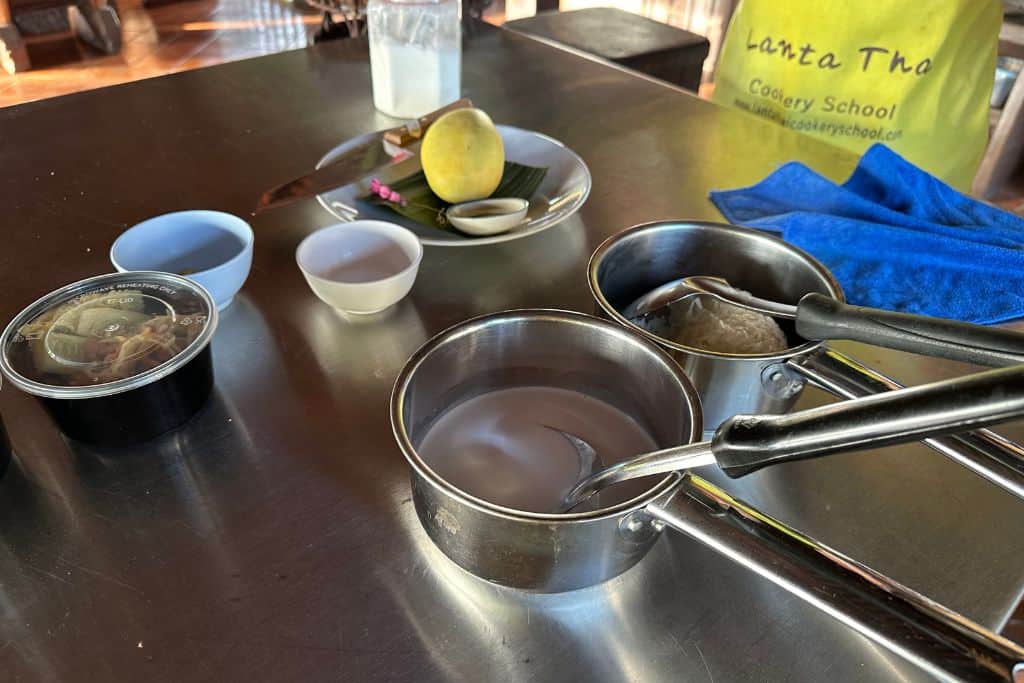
(745, 443)
(940, 641)
(985, 453)
(821, 317)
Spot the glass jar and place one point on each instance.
(415, 55)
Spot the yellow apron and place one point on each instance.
(916, 76)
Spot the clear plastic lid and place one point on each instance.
(107, 334)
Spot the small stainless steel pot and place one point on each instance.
(547, 348)
(639, 259)
(559, 552)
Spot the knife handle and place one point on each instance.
(414, 130)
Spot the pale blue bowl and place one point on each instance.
(209, 247)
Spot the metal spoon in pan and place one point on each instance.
(745, 443)
(818, 317)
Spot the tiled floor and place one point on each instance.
(163, 39)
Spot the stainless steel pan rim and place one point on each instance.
(598, 256)
(469, 327)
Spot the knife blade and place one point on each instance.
(355, 164)
(399, 168)
(367, 158)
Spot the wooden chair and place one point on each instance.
(22, 22)
(1003, 154)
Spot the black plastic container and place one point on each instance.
(5, 450)
(117, 359)
(140, 414)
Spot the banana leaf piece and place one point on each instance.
(425, 207)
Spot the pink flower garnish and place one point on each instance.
(386, 193)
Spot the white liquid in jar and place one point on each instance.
(412, 80)
(497, 446)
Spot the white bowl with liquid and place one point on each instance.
(361, 267)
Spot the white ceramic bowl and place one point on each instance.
(209, 247)
(360, 267)
(488, 216)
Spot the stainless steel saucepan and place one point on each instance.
(643, 258)
(559, 552)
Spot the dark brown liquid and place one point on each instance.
(482, 210)
(498, 446)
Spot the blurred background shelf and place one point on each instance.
(996, 175)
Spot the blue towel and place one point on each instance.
(894, 236)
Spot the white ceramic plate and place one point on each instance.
(560, 195)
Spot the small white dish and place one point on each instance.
(212, 248)
(563, 191)
(488, 216)
(361, 267)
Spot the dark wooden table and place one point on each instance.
(273, 538)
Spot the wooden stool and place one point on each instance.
(23, 21)
(642, 44)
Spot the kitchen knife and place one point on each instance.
(379, 151)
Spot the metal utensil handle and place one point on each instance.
(726, 292)
(413, 130)
(820, 317)
(985, 453)
(943, 643)
(745, 443)
(664, 461)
